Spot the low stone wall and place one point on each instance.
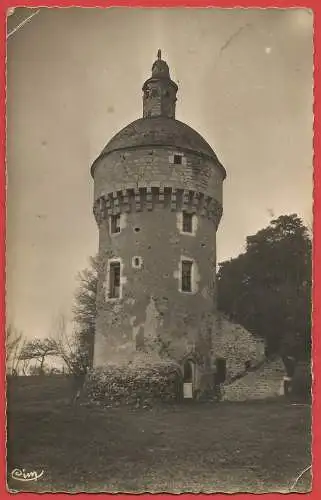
(263, 383)
(235, 344)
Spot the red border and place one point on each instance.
(316, 6)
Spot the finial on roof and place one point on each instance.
(160, 67)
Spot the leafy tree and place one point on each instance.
(267, 289)
(85, 309)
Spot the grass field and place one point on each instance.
(225, 447)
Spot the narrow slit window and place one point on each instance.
(187, 223)
(187, 275)
(154, 92)
(114, 280)
(178, 159)
(137, 262)
(115, 224)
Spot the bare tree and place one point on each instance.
(70, 350)
(15, 343)
(67, 346)
(38, 349)
(85, 308)
(24, 365)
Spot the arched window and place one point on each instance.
(188, 372)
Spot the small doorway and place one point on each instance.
(220, 376)
(188, 379)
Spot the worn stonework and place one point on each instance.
(265, 382)
(119, 175)
(235, 344)
(148, 176)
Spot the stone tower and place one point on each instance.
(158, 204)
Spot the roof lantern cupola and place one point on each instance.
(159, 91)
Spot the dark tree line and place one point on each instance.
(267, 289)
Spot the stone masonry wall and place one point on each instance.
(143, 167)
(266, 382)
(152, 312)
(150, 191)
(235, 344)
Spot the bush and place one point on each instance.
(139, 384)
(301, 383)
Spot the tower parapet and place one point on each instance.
(138, 199)
(158, 204)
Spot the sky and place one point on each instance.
(74, 79)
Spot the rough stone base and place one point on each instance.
(266, 382)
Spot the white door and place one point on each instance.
(188, 379)
(188, 390)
